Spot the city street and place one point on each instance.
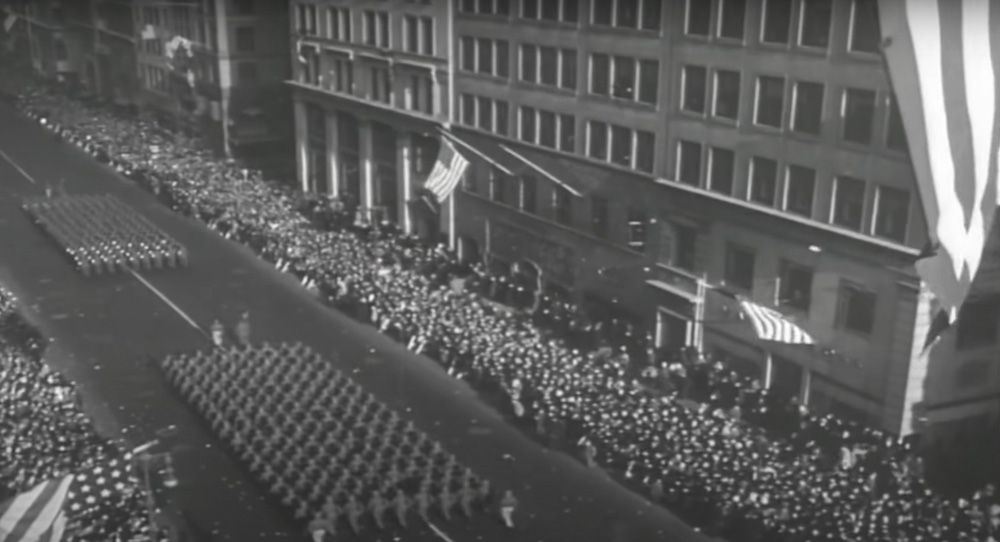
(109, 331)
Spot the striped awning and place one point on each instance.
(771, 325)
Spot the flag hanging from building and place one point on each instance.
(37, 514)
(771, 325)
(447, 171)
(943, 58)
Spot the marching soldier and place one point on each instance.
(218, 333)
(354, 512)
(508, 503)
(401, 505)
(378, 506)
(242, 329)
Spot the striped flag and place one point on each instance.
(37, 514)
(448, 169)
(771, 325)
(943, 58)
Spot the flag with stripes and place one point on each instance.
(36, 515)
(448, 170)
(943, 58)
(771, 325)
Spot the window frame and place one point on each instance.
(752, 168)
(758, 93)
(877, 214)
(716, 78)
(835, 201)
(730, 266)
(843, 310)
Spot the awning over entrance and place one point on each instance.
(515, 161)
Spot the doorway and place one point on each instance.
(673, 332)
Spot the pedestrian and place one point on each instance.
(218, 333)
(508, 503)
(242, 329)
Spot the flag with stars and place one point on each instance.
(97, 493)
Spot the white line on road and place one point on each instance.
(167, 300)
(439, 532)
(17, 167)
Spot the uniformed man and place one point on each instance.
(377, 505)
(508, 503)
(218, 333)
(400, 504)
(354, 512)
(242, 329)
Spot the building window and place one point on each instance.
(529, 194)
(503, 58)
(548, 62)
(720, 170)
(800, 186)
(727, 94)
(858, 111)
(732, 20)
(814, 25)
(468, 109)
(644, 154)
(599, 216)
(808, 108)
(427, 36)
(411, 34)
(895, 138)
(529, 63)
(892, 211)
(421, 94)
(338, 22)
(468, 53)
(855, 308)
(621, 146)
(686, 242)
(485, 113)
(381, 88)
(777, 21)
(383, 28)
(243, 7)
(636, 14)
(561, 210)
(794, 285)
(245, 39)
(246, 73)
(341, 74)
(602, 13)
(694, 83)
(689, 162)
(498, 187)
(547, 129)
(699, 16)
(770, 101)
(865, 34)
(567, 133)
(484, 50)
(978, 322)
(529, 132)
(567, 69)
(739, 267)
(848, 203)
(637, 230)
(763, 180)
(600, 74)
(597, 137)
(502, 114)
(649, 77)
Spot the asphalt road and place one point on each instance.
(107, 331)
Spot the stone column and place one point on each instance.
(404, 170)
(332, 156)
(301, 145)
(367, 167)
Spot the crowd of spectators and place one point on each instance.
(44, 434)
(723, 453)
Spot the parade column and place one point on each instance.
(333, 160)
(301, 146)
(405, 171)
(367, 168)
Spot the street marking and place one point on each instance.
(167, 300)
(439, 532)
(17, 167)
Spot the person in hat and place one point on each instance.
(508, 503)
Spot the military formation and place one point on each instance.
(102, 235)
(327, 450)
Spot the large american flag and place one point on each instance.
(90, 500)
(771, 325)
(943, 58)
(448, 170)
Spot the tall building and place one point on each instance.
(370, 91)
(632, 151)
(239, 62)
(49, 34)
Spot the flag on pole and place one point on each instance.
(943, 58)
(447, 171)
(148, 32)
(9, 21)
(34, 516)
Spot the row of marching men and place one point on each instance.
(328, 450)
(103, 235)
